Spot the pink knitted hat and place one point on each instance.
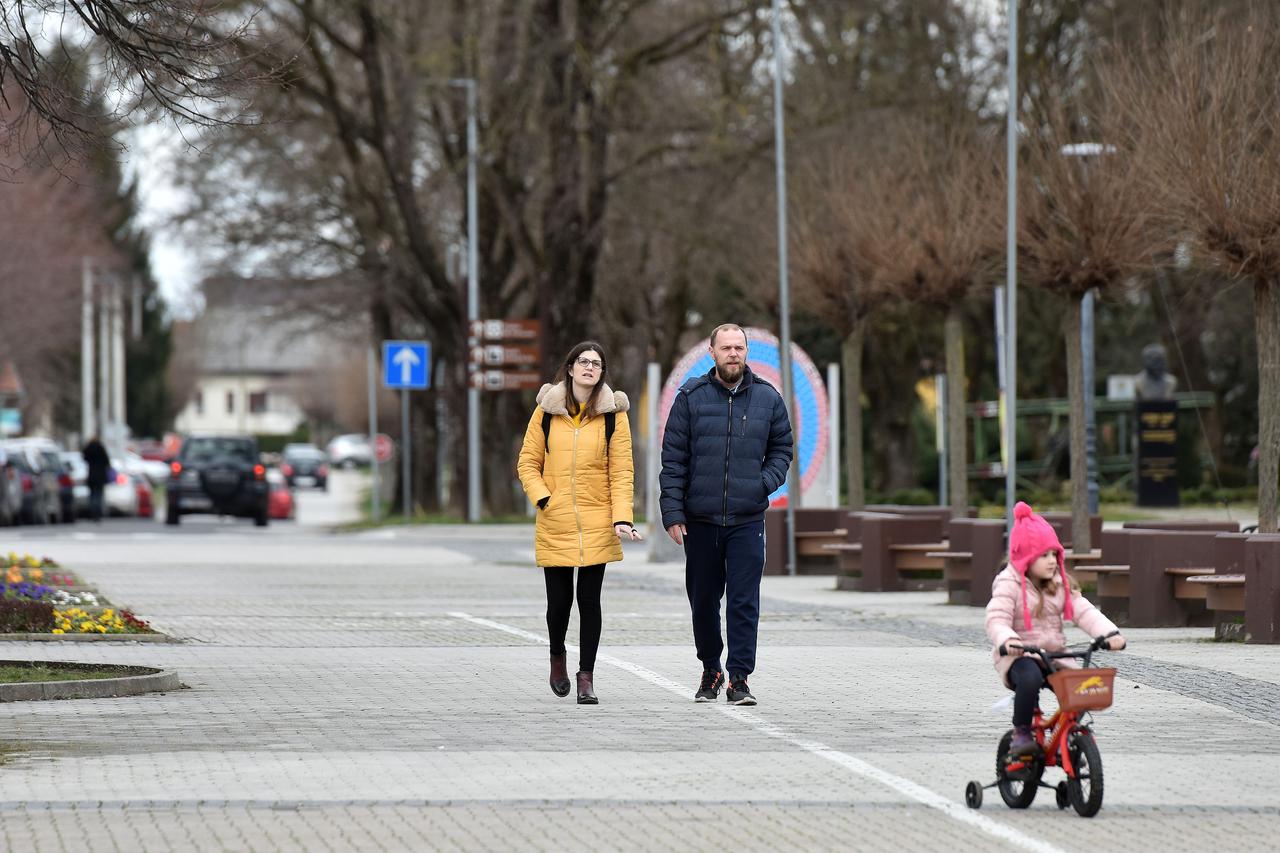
(1032, 536)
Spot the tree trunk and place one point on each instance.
(1266, 296)
(851, 367)
(957, 443)
(1080, 543)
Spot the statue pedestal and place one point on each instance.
(1157, 462)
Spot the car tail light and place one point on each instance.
(64, 480)
(323, 470)
(175, 468)
(28, 483)
(122, 479)
(287, 470)
(259, 472)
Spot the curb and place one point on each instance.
(89, 638)
(134, 680)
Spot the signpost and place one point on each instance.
(406, 366)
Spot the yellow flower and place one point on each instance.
(37, 575)
(14, 575)
(58, 631)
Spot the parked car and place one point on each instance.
(154, 470)
(121, 496)
(10, 491)
(348, 451)
(49, 454)
(41, 491)
(305, 465)
(220, 474)
(280, 503)
(79, 471)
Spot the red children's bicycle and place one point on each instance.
(1066, 738)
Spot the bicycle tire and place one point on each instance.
(1086, 786)
(1021, 792)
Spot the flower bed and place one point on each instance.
(36, 600)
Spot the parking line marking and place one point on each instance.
(906, 787)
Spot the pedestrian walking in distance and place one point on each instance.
(726, 448)
(1030, 598)
(98, 463)
(575, 466)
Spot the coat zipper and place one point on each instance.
(724, 507)
(573, 492)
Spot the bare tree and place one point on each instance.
(1083, 225)
(948, 207)
(181, 58)
(1199, 110)
(847, 228)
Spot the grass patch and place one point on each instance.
(37, 672)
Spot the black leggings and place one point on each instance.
(1027, 679)
(560, 602)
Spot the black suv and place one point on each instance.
(218, 474)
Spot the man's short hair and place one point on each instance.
(723, 327)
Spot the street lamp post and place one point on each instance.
(1011, 275)
(473, 302)
(784, 290)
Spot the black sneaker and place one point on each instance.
(738, 693)
(709, 689)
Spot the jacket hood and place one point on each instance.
(552, 399)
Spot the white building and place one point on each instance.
(252, 359)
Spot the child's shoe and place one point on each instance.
(1023, 744)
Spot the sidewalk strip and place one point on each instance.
(906, 787)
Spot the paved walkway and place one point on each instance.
(387, 691)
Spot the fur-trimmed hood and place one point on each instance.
(551, 398)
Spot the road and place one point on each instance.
(386, 690)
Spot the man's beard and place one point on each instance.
(729, 372)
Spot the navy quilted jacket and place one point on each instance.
(723, 453)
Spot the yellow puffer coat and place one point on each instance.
(590, 490)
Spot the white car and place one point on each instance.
(350, 450)
(154, 470)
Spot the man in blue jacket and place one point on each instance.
(727, 447)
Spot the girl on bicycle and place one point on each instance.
(1030, 598)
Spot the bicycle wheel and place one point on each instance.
(1085, 788)
(1017, 790)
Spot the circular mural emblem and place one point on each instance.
(808, 417)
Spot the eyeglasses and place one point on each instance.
(590, 362)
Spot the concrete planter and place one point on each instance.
(133, 680)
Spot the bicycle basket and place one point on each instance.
(1083, 689)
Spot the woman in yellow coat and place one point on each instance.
(575, 466)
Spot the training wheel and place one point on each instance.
(973, 795)
(1064, 799)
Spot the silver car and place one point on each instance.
(349, 450)
(10, 491)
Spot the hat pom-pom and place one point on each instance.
(1022, 511)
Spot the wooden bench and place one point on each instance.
(810, 543)
(815, 526)
(1185, 586)
(893, 553)
(1223, 594)
(1246, 605)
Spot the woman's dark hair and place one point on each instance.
(571, 402)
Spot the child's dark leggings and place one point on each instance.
(1027, 679)
(560, 602)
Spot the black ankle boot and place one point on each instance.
(586, 690)
(559, 674)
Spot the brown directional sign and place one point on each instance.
(506, 330)
(506, 380)
(498, 355)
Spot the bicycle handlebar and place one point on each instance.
(1085, 653)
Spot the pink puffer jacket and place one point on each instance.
(1004, 611)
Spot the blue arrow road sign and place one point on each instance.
(406, 364)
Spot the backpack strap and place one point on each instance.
(610, 423)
